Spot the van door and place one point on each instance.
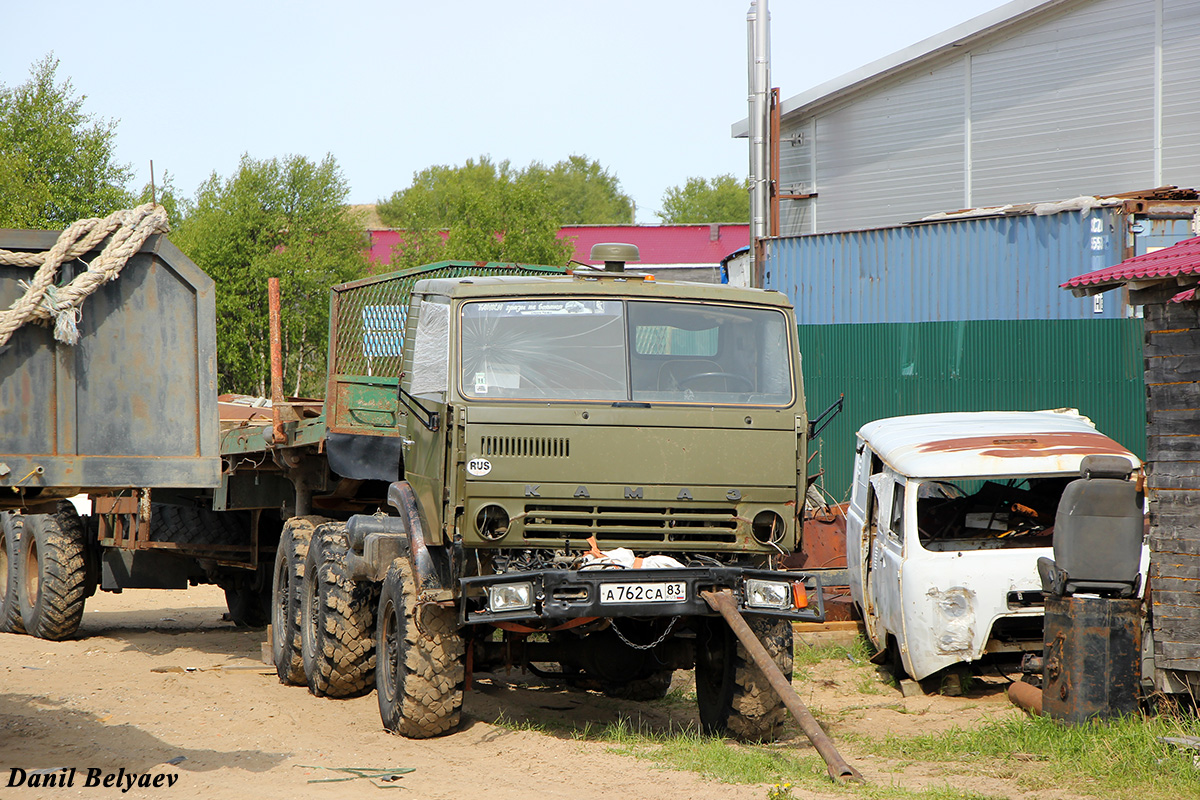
(879, 502)
(886, 566)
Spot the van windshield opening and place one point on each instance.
(624, 350)
(998, 513)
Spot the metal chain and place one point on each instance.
(650, 646)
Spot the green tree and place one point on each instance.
(57, 163)
(584, 192)
(481, 211)
(722, 199)
(282, 218)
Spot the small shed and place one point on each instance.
(1163, 284)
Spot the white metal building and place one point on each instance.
(1036, 100)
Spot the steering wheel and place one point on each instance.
(749, 384)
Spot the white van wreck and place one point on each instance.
(948, 516)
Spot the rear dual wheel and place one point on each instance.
(337, 619)
(286, 585)
(52, 573)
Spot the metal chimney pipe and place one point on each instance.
(758, 21)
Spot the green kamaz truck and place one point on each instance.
(551, 467)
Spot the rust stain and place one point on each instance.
(1058, 443)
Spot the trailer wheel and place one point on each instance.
(285, 597)
(337, 613)
(52, 573)
(419, 679)
(733, 695)
(10, 592)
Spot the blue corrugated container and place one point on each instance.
(983, 268)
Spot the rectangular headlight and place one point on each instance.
(768, 594)
(510, 597)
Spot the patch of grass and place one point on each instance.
(686, 749)
(1118, 759)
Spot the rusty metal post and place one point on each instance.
(722, 602)
(276, 361)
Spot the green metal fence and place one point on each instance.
(888, 370)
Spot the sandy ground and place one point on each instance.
(157, 683)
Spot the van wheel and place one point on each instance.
(733, 695)
(419, 679)
(52, 573)
(10, 591)
(337, 619)
(286, 583)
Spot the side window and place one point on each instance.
(896, 520)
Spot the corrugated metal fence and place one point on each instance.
(963, 315)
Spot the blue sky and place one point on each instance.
(649, 89)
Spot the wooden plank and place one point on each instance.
(1183, 664)
(1172, 368)
(1180, 421)
(1160, 449)
(1163, 397)
(1173, 547)
(1168, 501)
(1180, 599)
(1165, 315)
(1176, 650)
(1173, 475)
(1174, 629)
(1167, 586)
(1155, 296)
(1171, 342)
(1170, 565)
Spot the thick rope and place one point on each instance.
(43, 300)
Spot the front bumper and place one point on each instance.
(560, 594)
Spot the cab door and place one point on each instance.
(879, 500)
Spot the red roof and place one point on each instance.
(657, 244)
(1182, 258)
(662, 244)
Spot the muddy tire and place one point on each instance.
(419, 679)
(337, 643)
(10, 587)
(733, 695)
(287, 580)
(52, 574)
(652, 687)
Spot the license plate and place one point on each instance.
(669, 592)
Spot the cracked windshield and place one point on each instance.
(625, 351)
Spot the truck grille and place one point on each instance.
(537, 446)
(634, 524)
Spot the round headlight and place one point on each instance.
(492, 523)
(768, 527)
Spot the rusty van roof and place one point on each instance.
(988, 443)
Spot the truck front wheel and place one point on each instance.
(52, 573)
(419, 678)
(733, 695)
(337, 619)
(285, 598)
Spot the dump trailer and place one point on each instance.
(524, 466)
(126, 414)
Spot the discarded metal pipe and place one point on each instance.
(276, 361)
(1026, 696)
(722, 602)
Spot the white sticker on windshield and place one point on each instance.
(479, 467)
(480, 383)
